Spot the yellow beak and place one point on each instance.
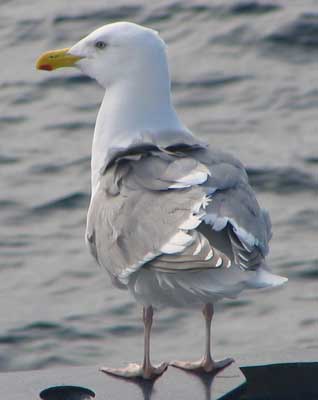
(54, 59)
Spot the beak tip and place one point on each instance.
(44, 67)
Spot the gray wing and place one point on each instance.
(235, 212)
(150, 209)
(240, 228)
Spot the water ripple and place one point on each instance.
(301, 32)
(123, 309)
(10, 120)
(53, 167)
(29, 29)
(8, 243)
(71, 126)
(62, 82)
(168, 12)
(71, 201)
(123, 330)
(210, 82)
(8, 159)
(51, 361)
(41, 329)
(307, 217)
(14, 84)
(104, 14)
(309, 322)
(281, 180)
(310, 274)
(6, 203)
(311, 160)
(239, 35)
(253, 7)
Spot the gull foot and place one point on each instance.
(137, 371)
(203, 365)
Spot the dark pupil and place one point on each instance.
(100, 45)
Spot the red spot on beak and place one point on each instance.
(46, 67)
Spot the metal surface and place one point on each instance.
(174, 384)
(292, 381)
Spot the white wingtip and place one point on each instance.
(265, 279)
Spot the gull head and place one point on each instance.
(112, 53)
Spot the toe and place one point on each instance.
(189, 365)
(131, 371)
(223, 363)
(137, 371)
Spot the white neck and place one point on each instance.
(133, 109)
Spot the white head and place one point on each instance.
(112, 53)
(119, 51)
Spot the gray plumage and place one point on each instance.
(175, 209)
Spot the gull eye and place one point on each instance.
(100, 45)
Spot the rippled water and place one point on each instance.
(244, 79)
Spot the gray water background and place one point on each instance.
(245, 80)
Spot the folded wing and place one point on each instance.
(175, 209)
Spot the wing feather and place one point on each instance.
(149, 211)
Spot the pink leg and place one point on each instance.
(206, 364)
(146, 370)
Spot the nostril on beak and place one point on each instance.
(67, 393)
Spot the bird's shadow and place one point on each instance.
(147, 386)
(206, 379)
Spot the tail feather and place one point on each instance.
(265, 279)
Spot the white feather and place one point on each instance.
(191, 223)
(219, 223)
(264, 279)
(177, 243)
(125, 274)
(194, 178)
(197, 249)
(210, 255)
(219, 262)
(179, 186)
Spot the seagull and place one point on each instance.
(171, 219)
